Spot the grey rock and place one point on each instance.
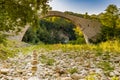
(75, 76)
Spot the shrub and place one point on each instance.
(73, 70)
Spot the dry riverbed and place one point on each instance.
(60, 65)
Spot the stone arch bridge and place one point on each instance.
(90, 28)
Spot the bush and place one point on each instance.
(2, 38)
(73, 70)
(80, 40)
(109, 33)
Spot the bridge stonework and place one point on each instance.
(91, 28)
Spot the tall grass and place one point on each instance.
(10, 48)
(108, 46)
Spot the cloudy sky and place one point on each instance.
(82, 6)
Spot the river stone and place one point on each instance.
(66, 78)
(34, 78)
(75, 76)
(4, 71)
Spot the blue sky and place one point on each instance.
(83, 6)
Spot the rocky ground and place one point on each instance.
(60, 65)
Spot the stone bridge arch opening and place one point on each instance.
(90, 28)
(62, 29)
(66, 16)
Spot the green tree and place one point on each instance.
(15, 14)
(110, 17)
(110, 20)
(51, 30)
(86, 16)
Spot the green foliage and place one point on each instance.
(2, 38)
(92, 76)
(78, 32)
(79, 37)
(110, 46)
(86, 15)
(115, 78)
(110, 17)
(110, 21)
(6, 52)
(15, 14)
(75, 14)
(98, 51)
(73, 70)
(11, 48)
(108, 33)
(80, 40)
(48, 61)
(106, 66)
(7, 49)
(52, 30)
